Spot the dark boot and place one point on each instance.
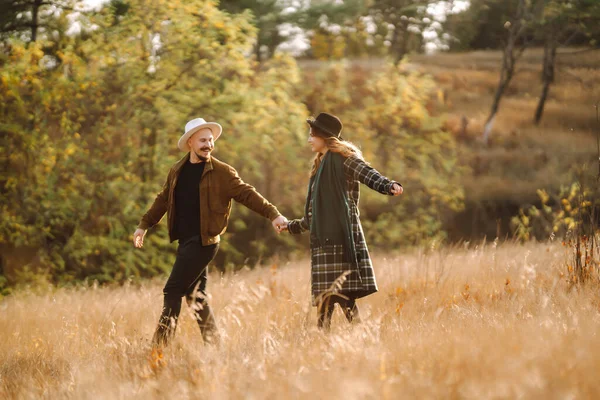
(167, 324)
(350, 310)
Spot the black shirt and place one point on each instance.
(187, 200)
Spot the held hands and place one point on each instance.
(280, 224)
(138, 238)
(397, 189)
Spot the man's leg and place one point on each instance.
(189, 264)
(204, 316)
(196, 298)
(167, 322)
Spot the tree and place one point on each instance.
(87, 141)
(403, 21)
(513, 25)
(28, 17)
(515, 44)
(268, 15)
(271, 15)
(482, 25)
(267, 143)
(563, 21)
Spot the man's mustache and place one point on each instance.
(206, 148)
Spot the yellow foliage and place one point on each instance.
(327, 46)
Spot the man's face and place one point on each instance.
(202, 143)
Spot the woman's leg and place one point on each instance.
(324, 313)
(350, 309)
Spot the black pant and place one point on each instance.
(325, 310)
(188, 278)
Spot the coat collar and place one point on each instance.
(208, 167)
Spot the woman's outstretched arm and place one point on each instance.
(359, 170)
(298, 226)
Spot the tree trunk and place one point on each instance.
(547, 74)
(152, 145)
(540, 107)
(598, 141)
(331, 46)
(34, 19)
(509, 59)
(384, 149)
(257, 48)
(399, 41)
(506, 75)
(505, 78)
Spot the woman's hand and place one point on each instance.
(397, 190)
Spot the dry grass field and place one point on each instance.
(478, 321)
(472, 321)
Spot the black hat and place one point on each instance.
(328, 124)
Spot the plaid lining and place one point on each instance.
(327, 261)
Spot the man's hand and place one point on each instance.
(280, 223)
(138, 238)
(397, 189)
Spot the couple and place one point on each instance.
(197, 199)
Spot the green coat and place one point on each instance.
(327, 260)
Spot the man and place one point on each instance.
(197, 199)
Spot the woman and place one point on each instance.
(341, 269)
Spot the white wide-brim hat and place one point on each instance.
(194, 126)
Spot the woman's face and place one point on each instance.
(317, 144)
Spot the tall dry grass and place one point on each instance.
(485, 322)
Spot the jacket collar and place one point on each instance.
(208, 167)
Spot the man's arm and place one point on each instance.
(158, 208)
(247, 195)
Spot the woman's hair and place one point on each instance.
(345, 148)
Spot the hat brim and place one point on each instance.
(216, 129)
(316, 124)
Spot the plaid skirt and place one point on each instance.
(327, 265)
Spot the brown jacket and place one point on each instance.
(220, 183)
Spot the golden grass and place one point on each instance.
(479, 322)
